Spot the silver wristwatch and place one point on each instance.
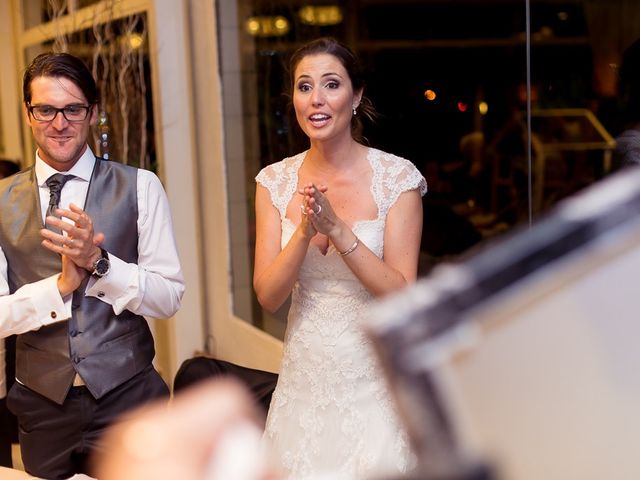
(102, 265)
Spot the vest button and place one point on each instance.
(73, 333)
(53, 314)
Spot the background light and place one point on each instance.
(132, 40)
(267, 26)
(462, 106)
(321, 16)
(430, 95)
(483, 108)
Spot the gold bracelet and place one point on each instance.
(351, 248)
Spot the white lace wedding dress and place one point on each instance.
(331, 415)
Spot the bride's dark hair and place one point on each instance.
(350, 63)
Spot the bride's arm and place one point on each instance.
(276, 270)
(402, 234)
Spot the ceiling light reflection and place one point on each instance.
(267, 26)
(321, 16)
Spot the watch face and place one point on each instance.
(102, 266)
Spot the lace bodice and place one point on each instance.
(331, 412)
(391, 176)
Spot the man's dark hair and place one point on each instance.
(60, 65)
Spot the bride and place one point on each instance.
(337, 226)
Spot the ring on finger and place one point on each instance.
(317, 212)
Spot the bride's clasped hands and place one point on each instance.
(317, 209)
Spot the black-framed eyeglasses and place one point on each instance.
(72, 113)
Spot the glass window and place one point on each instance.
(584, 91)
(37, 12)
(498, 144)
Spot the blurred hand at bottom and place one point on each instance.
(209, 432)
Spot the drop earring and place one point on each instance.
(354, 110)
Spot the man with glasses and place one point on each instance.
(86, 253)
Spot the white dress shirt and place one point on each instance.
(152, 288)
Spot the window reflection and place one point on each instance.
(450, 82)
(38, 12)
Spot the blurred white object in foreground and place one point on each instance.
(524, 355)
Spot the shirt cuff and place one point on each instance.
(50, 306)
(117, 287)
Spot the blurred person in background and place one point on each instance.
(628, 142)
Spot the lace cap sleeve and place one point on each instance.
(393, 176)
(281, 180)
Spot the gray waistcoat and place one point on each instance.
(104, 348)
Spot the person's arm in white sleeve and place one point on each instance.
(36, 304)
(154, 286)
